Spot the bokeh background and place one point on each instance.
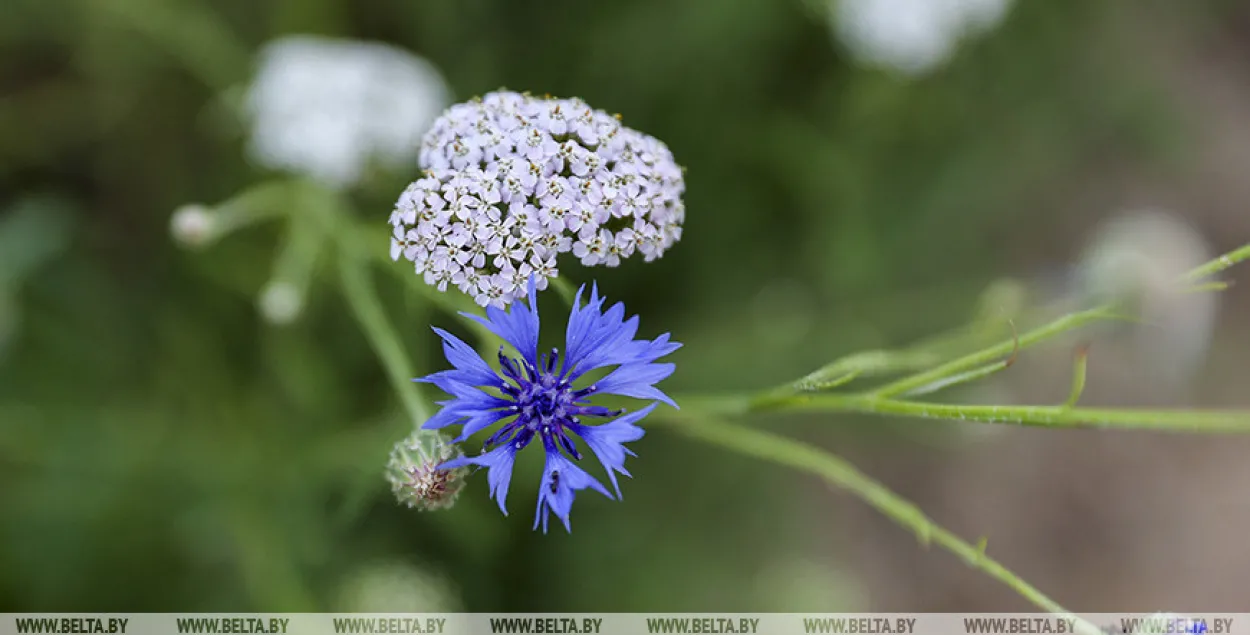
(858, 175)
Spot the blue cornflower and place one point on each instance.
(537, 392)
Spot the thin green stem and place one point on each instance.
(993, 353)
(364, 243)
(564, 289)
(1078, 377)
(1211, 421)
(863, 364)
(302, 246)
(884, 399)
(363, 299)
(1219, 264)
(971, 366)
(256, 204)
(841, 474)
(999, 305)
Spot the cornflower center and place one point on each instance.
(545, 403)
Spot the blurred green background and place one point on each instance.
(163, 448)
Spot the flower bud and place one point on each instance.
(413, 471)
(281, 302)
(192, 225)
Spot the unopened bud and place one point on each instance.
(281, 302)
(414, 473)
(192, 225)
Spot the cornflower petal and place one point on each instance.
(498, 464)
(608, 441)
(561, 478)
(471, 369)
(583, 325)
(516, 325)
(637, 381)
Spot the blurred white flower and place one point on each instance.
(1139, 258)
(802, 584)
(192, 225)
(325, 108)
(281, 302)
(397, 587)
(911, 36)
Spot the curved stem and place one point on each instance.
(841, 474)
(564, 289)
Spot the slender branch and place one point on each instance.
(841, 474)
(363, 299)
(968, 366)
(258, 203)
(366, 243)
(564, 289)
(1038, 416)
(1078, 376)
(1219, 264)
(993, 353)
(885, 399)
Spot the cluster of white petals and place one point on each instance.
(511, 181)
(325, 107)
(912, 36)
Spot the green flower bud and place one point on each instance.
(413, 471)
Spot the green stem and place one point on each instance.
(564, 289)
(1038, 416)
(363, 299)
(882, 400)
(841, 474)
(993, 353)
(256, 204)
(968, 366)
(1219, 264)
(367, 243)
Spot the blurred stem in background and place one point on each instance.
(363, 299)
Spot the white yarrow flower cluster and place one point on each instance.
(325, 107)
(511, 181)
